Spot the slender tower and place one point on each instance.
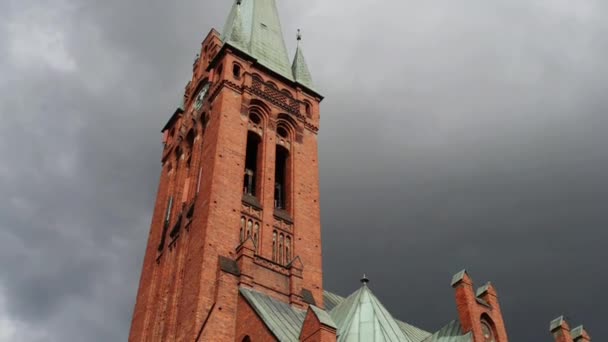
(237, 207)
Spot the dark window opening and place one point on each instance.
(218, 72)
(281, 241)
(255, 118)
(274, 246)
(250, 182)
(308, 109)
(161, 246)
(236, 71)
(242, 229)
(282, 132)
(190, 147)
(280, 178)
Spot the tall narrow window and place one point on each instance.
(281, 243)
(274, 246)
(250, 181)
(281, 178)
(249, 227)
(242, 236)
(161, 246)
(236, 71)
(308, 109)
(189, 147)
(287, 249)
(256, 234)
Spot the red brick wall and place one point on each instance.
(254, 327)
(471, 312)
(314, 331)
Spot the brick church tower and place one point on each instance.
(237, 206)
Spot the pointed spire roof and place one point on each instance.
(361, 317)
(301, 74)
(254, 27)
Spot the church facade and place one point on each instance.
(235, 251)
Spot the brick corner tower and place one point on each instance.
(237, 209)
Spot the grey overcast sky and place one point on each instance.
(455, 134)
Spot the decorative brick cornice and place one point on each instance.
(271, 265)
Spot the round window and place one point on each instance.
(488, 334)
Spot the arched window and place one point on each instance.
(255, 118)
(236, 71)
(281, 244)
(252, 160)
(249, 228)
(189, 147)
(274, 246)
(308, 109)
(218, 72)
(281, 178)
(246, 339)
(282, 132)
(178, 157)
(287, 249)
(256, 234)
(242, 235)
(488, 329)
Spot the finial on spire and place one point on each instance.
(364, 280)
(299, 36)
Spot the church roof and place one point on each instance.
(360, 317)
(253, 27)
(452, 332)
(282, 319)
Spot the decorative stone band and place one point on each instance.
(271, 265)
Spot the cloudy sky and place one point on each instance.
(455, 134)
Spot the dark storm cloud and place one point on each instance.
(453, 135)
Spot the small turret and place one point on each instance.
(301, 74)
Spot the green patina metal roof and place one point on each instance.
(452, 332)
(324, 317)
(254, 27)
(577, 332)
(362, 318)
(413, 333)
(556, 323)
(282, 319)
(331, 300)
(359, 318)
(299, 67)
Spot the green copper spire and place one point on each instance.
(237, 36)
(254, 27)
(301, 74)
(362, 318)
